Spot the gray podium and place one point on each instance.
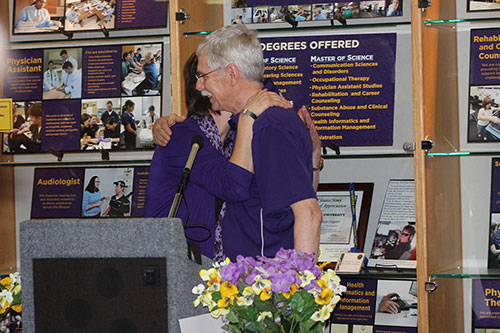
(81, 253)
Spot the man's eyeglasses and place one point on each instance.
(200, 76)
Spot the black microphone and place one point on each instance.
(196, 145)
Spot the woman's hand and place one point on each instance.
(263, 100)
(161, 128)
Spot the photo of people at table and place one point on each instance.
(89, 14)
(396, 303)
(483, 5)
(26, 136)
(118, 123)
(62, 73)
(37, 16)
(141, 70)
(370, 9)
(484, 114)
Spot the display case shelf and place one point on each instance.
(468, 273)
(307, 28)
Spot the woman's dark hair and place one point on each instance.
(128, 104)
(111, 121)
(196, 103)
(125, 54)
(91, 186)
(85, 117)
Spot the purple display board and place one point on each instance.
(106, 15)
(266, 11)
(102, 74)
(346, 81)
(382, 305)
(494, 241)
(57, 193)
(72, 84)
(24, 75)
(485, 303)
(71, 192)
(484, 87)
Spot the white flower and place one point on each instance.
(16, 278)
(219, 312)
(306, 278)
(264, 314)
(7, 295)
(199, 289)
(322, 314)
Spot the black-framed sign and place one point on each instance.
(337, 233)
(68, 16)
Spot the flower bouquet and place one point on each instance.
(10, 302)
(286, 293)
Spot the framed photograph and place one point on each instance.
(337, 234)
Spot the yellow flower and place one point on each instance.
(17, 308)
(205, 300)
(264, 314)
(265, 295)
(293, 290)
(6, 282)
(228, 293)
(324, 297)
(211, 275)
(248, 291)
(322, 314)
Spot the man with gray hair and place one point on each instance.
(283, 210)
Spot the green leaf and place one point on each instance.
(231, 316)
(297, 302)
(271, 325)
(216, 297)
(252, 326)
(252, 313)
(264, 305)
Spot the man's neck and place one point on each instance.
(246, 91)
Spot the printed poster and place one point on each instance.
(380, 306)
(346, 82)
(84, 98)
(484, 86)
(494, 237)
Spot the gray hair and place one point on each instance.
(234, 44)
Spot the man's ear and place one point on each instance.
(234, 73)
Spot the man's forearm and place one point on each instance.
(307, 225)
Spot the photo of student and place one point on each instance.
(66, 57)
(300, 12)
(260, 14)
(100, 190)
(34, 17)
(484, 114)
(141, 74)
(110, 132)
(17, 141)
(396, 303)
(50, 78)
(119, 205)
(394, 241)
(394, 8)
(87, 132)
(73, 85)
(494, 243)
(89, 15)
(277, 13)
(241, 15)
(322, 11)
(92, 198)
(347, 10)
(109, 112)
(128, 122)
(151, 106)
(370, 9)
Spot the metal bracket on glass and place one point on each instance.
(423, 4)
(427, 144)
(431, 285)
(182, 16)
(409, 146)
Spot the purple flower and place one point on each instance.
(281, 282)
